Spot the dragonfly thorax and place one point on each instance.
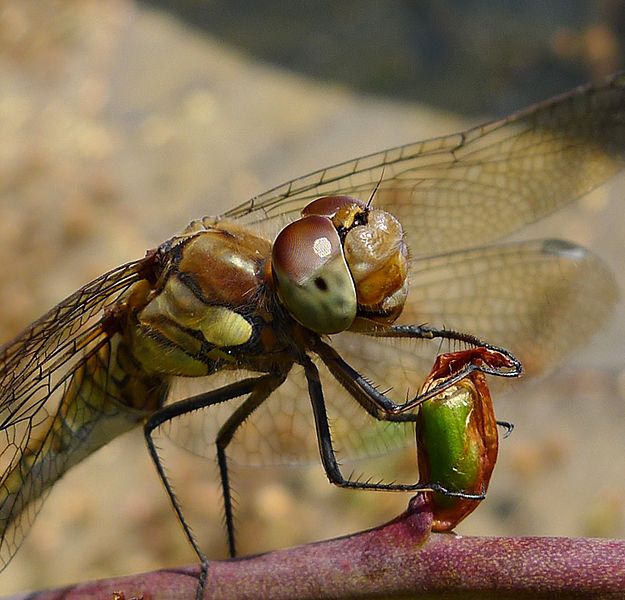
(204, 312)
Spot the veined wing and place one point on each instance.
(37, 369)
(28, 360)
(470, 188)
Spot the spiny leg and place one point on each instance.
(377, 404)
(265, 387)
(511, 367)
(167, 413)
(507, 427)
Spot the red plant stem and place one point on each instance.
(397, 560)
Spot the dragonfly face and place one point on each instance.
(309, 280)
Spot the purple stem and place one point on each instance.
(400, 559)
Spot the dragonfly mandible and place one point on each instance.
(338, 301)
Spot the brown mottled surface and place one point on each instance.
(118, 125)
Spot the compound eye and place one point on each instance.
(312, 277)
(329, 206)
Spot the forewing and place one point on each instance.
(35, 370)
(470, 188)
(27, 361)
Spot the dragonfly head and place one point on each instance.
(341, 265)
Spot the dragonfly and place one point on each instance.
(325, 289)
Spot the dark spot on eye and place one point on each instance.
(321, 284)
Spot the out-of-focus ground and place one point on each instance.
(119, 124)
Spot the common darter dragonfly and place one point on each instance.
(324, 287)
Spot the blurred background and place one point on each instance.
(122, 121)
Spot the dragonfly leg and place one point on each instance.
(378, 405)
(328, 456)
(171, 411)
(426, 332)
(510, 367)
(264, 388)
(507, 427)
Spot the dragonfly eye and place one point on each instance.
(343, 210)
(378, 261)
(311, 276)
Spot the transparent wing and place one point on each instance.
(470, 188)
(541, 299)
(27, 361)
(36, 369)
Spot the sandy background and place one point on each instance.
(119, 123)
